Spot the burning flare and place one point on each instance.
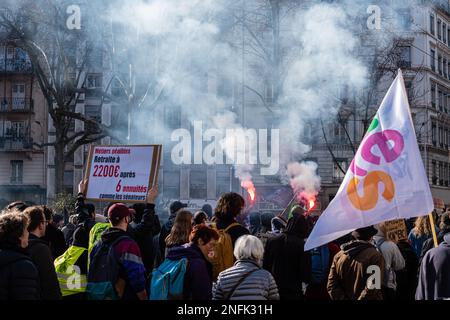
(311, 203)
(248, 185)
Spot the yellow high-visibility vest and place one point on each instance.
(71, 281)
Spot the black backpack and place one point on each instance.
(104, 272)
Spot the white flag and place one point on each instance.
(386, 179)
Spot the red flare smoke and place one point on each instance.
(251, 190)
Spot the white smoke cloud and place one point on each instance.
(304, 179)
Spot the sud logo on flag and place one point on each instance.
(386, 179)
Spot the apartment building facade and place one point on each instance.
(23, 115)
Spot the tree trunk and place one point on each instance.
(59, 168)
(276, 81)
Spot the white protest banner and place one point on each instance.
(386, 179)
(122, 173)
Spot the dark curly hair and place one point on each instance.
(203, 232)
(12, 226)
(229, 206)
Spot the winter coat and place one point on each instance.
(349, 272)
(286, 260)
(407, 277)
(235, 232)
(429, 244)
(258, 285)
(56, 241)
(19, 278)
(143, 232)
(198, 278)
(67, 231)
(393, 260)
(434, 276)
(131, 268)
(43, 260)
(417, 242)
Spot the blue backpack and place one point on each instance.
(168, 280)
(103, 271)
(320, 260)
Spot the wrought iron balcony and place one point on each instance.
(23, 143)
(14, 104)
(15, 65)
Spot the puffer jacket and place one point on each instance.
(259, 285)
(19, 278)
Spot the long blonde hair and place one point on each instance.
(181, 228)
(422, 227)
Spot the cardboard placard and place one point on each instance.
(122, 173)
(396, 230)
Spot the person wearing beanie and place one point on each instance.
(350, 269)
(206, 208)
(434, 275)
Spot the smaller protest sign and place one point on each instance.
(396, 230)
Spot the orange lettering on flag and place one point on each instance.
(370, 190)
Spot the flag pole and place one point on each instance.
(433, 229)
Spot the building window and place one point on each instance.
(17, 171)
(171, 186)
(433, 172)
(446, 174)
(433, 134)
(440, 64)
(197, 184)
(440, 97)
(94, 81)
(444, 33)
(433, 95)
(269, 92)
(405, 57)
(432, 24)
(446, 138)
(445, 67)
(441, 173)
(448, 37)
(439, 29)
(172, 116)
(441, 137)
(338, 133)
(338, 175)
(433, 60)
(223, 181)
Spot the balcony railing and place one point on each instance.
(15, 104)
(15, 65)
(16, 143)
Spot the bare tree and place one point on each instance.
(361, 108)
(60, 59)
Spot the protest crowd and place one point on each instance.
(125, 253)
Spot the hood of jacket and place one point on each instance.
(353, 248)
(297, 225)
(112, 234)
(188, 250)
